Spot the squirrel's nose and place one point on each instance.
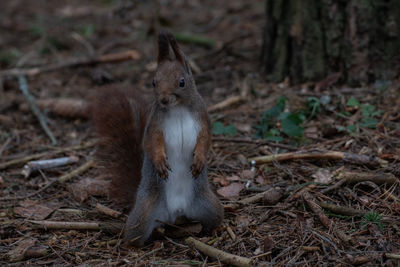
(164, 100)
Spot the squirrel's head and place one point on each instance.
(173, 82)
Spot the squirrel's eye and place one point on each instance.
(153, 83)
(182, 82)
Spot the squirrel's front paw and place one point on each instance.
(198, 164)
(162, 167)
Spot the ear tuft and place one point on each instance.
(163, 46)
(177, 51)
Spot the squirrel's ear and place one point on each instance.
(179, 55)
(163, 47)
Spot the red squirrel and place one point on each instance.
(157, 153)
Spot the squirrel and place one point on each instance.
(157, 153)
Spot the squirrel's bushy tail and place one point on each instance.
(120, 125)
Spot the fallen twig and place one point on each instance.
(222, 256)
(377, 178)
(246, 201)
(340, 210)
(322, 217)
(75, 172)
(392, 256)
(47, 164)
(61, 179)
(108, 227)
(23, 86)
(231, 233)
(20, 161)
(108, 58)
(333, 155)
(108, 211)
(309, 249)
(225, 103)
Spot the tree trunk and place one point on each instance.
(306, 40)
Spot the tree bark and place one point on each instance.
(306, 40)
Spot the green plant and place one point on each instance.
(218, 128)
(352, 102)
(314, 106)
(369, 115)
(290, 123)
(372, 217)
(88, 30)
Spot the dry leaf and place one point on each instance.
(220, 180)
(271, 196)
(233, 178)
(269, 244)
(260, 180)
(231, 190)
(322, 176)
(248, 174)
(89, 187)
(18, 253)
(33, 210)
(242, 221)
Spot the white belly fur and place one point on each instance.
(180, 131)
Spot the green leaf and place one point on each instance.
(218, 128)
(88, 31)
(367, 110)
(230, 130)
(291, 128)
(274, 135)
(351, 128)
(313, 106)
(352, 102)
(369, 123)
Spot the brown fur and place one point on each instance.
(154, 145)
(120, 126)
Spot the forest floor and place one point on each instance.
(333, 200)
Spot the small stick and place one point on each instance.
(309, 249)
(322, 217)
(20, 161)
(61, 179)
(231, 233)
(75, 172)
(108, 58)
(392, 256)
(219, 254)
(47, 164)
(107, 211)
(226, 103)
(68, 225)
(340, 210)
(333, 187)
(245, 201)
(333, 155)
(377, 178)
(108, 227)
(23, 86)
